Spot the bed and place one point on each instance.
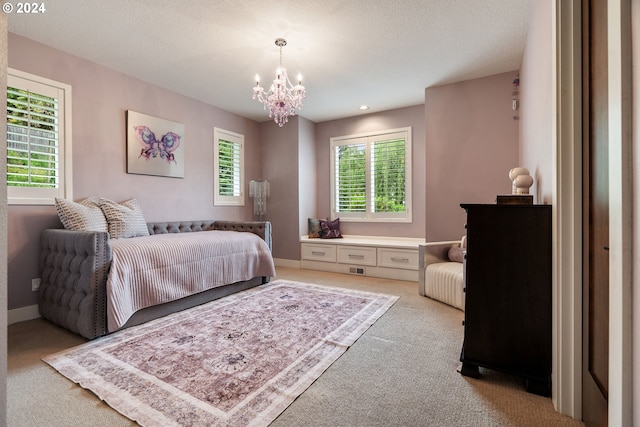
(441, 272)
(93, 284)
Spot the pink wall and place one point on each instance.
(307, 174)
(471, 144)
(404, 117)
(280, 168)
(100, 98)
(537, 94)
(289, 165)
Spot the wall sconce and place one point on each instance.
(259, 190)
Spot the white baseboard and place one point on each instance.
(279, 262)
(23, 313)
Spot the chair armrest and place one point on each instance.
(436, 252)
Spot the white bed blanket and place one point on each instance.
(151, 270)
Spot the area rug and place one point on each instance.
(240, 360)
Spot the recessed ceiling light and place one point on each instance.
(364, 107)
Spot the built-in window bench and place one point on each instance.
(387, 257)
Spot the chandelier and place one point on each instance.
(283, 98)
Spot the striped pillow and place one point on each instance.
(85, 215)
(124, 219)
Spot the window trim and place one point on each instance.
(236, 138)
(41, 196)
(368, 138)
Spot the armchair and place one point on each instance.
(439, 276)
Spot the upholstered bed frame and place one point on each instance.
(74, 266)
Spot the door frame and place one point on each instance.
(620, 214)
(567, 203)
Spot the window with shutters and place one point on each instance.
(371, 176)
(228, 161)
(38, 139)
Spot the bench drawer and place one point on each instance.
(398, 258)
(326, 253)
(357, 255)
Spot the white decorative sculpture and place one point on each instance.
(520, 180)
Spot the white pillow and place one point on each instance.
(85, 215)
(124, 219)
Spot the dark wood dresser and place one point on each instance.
(507, 324)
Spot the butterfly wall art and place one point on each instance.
(154, 146)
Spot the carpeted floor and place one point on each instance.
(401, 372)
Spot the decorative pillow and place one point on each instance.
(315, 231)
(330, 229)
(85, 215)
(456, 254)
(124, 219)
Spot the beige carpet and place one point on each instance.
(401, 372)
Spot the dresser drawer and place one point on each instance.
(325, 253)
(357, 255)
(398, 258)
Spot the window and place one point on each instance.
(228, 163)
(371, 176)
(38, 139)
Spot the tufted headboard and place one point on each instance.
(261, 228)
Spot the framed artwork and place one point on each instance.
(154, 146)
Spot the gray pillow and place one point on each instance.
(124, 219)
(315, 231)
(85, 215)
(456, 254)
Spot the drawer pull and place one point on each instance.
(318, 253)
(395, 259)
(353, 256)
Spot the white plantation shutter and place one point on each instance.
(32, 139)
(38, 139)
(388, 175)
(350, 186)
(371, 176)
(229, 168)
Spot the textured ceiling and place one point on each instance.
(382, 53)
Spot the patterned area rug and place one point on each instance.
(237, 361)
